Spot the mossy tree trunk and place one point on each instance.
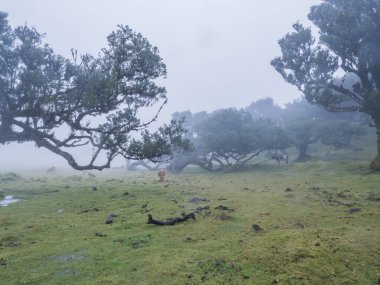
(302, 152)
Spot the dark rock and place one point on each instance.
(89, 210)
(125, 193)
(344, 196)
(109, 219)
(100, 234)
(288, 189)
(224, 208)
(115, 180)
(94, 188)
(256, 228)
(315, 189)
(300, 225)
(196, 199)
(354, 210)
(200, 209)
(3, 262)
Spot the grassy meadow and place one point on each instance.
(311, 223)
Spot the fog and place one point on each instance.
(217, 52)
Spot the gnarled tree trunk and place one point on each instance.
(302, 152)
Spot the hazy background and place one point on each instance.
(217, 52)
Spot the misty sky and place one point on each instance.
(217, 52)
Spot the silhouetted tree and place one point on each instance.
(196, 154)
(303, 133)
(226, 139)
(264, 109)
(232, 139)
(307, 124)
(61, 104)
(348, 43)
(339, 134)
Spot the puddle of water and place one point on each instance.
(8, 200)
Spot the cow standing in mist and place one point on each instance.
(281, 157)
(51, 170)
(161, 174)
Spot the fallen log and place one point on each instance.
(170, 222)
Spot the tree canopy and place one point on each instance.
(95, 101)
(340, 69)
(228, 139)
(340, 134)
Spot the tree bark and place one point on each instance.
(375, 164)
(302, 152)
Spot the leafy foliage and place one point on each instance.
(340, 134)
(307, 124)
(265, 108)
(230, 139)
(62, 104)
(348, 43)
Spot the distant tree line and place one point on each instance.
(43, 94)
(232, 139)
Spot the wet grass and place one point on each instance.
(320, 224)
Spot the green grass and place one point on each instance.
(309, 237)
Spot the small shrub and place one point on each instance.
(9, 176)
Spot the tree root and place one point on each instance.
(170, 222)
